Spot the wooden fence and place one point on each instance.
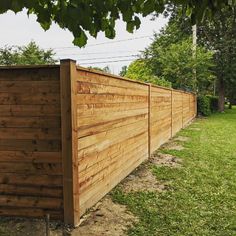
(30, 142)
(69, 134)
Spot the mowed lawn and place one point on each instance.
(201, 198)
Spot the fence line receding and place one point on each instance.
(68, 135)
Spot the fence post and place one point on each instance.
(182, 110)
(189, 111)
(195, 105)
(171, 113)
(69, 142)
(149, 119)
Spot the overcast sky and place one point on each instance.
(20, 30)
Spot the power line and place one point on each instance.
(104, 62)
(95, 53)
(100, 58)
(108, 42)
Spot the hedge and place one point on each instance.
(213, 103)
(207, 105)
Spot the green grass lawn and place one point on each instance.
(201, 199)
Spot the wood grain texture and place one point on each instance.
(69, 136)
(176, 112)
(120, 123)
(30, 142)
(112, 119)
(161, 120)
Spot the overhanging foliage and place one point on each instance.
(83, 17)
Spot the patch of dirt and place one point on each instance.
(27, 227)
(142, 180)
(166, 160)
(173, 146)
(106, 219)
(182, 139)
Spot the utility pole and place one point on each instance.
(194, 30)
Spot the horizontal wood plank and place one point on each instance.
(31, 180)
(30, 212)
(30, 145)
(38, 191)
(30, 142)
(31, 157)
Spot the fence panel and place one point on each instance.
(30, 146)
(160, 116)
(177, 112)
(186, 109)
(112, 119)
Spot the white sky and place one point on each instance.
(20, 30)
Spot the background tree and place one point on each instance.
(123, 71)
(177, 30)
(219, 35)
(138, 70)
(105, 69)
(177, 63)
(26, 55)
(170, 57)
(9, 55)
(92, 16)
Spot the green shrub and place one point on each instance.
(213, 103)
(203, 105)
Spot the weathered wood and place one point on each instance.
(30, 145)
(31, 180)
(30, 74)
(30, 157)
(39, 191)
(30, 142)
(30, 212)
(31, 168)
(29, 98)
(35, 110)
(36, 202)
(32, 122)
(29, 87)
(30, 133)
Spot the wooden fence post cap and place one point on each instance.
(67, 61)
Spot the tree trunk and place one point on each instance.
(221, 105)
(230, 105)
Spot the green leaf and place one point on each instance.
(137, 22)
(81, 39)
(110, 33)
(16, 6)
(45, 25)
(89, 15)
(130, 26)
(149, 7)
